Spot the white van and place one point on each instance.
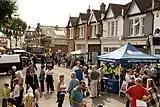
(8, 61)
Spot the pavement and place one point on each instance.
(49, 99)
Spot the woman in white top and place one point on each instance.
(61, 91)
(89, 71)
(16, 93)
(20, 78)
(49, 78)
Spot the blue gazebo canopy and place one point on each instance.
(128, 54)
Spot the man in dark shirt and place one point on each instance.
(34, 62)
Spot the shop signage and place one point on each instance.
(134, 53)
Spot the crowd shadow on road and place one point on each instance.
(116, 97)
(100, 100)
(47, 96)
(106, 99)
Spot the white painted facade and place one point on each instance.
(94, 26)
(136, 23)
(71, 34)
(113, 32)
(81, 32)
(155, 49)
(156, 19)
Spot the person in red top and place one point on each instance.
(137, 92)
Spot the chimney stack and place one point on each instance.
(122, 12)
(88, 10)
(103, 7)
(152, 4)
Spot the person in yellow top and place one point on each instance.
(116, 71)
(105, 71)
(111, 71)
(5, 94)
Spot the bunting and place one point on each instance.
(25, 33)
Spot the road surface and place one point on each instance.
(49, 99)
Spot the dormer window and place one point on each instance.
(136, 26)
(112, 28)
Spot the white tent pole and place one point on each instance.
(119, 79)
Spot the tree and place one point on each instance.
(7, 8)
(18, 26)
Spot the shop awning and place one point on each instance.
(77, 52)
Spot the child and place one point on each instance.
(10, 102)
(5, 94)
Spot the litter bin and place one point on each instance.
(113, 85)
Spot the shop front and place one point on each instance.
(94, 50)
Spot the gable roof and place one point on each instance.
(73, 21)
(116, 9)
(84, 16)
(97, 14)
(145, 5)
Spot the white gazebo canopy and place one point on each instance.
(77, 52)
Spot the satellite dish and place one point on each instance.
(157, 31)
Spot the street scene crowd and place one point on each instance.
(141, 82)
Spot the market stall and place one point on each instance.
(127, 54)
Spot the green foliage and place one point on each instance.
(7, 8)
(17, 25)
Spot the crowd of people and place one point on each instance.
(26, 91)
(141, 82)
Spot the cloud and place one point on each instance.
(55, 12)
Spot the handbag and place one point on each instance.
(140, 103)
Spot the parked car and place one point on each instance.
(8, 61)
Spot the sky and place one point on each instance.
(56, 12)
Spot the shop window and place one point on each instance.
(112, 49)
(157, 51)
(105, 49)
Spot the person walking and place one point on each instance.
(61, 91)
(154, 100)
(5, 94)
(16, 93)
(49, 78)
(88, 74)
(43, 59)
(136, 93)
(32, 81)
(101, 79)
(20, 79)
(42, 77)
(78, 71)
(13, 76)
(94, 76)
(77, 96)
(76, 67)
(34, 62)
(72, 84)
